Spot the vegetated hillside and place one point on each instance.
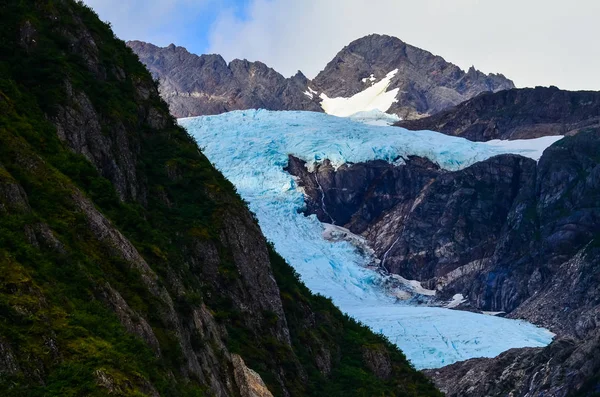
(516, 114)
(128, 264)
(196, 85)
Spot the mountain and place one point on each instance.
(355, 80)
(516, 114)
(196, 85)
(508, 235)
(425, 83)
(129, 265)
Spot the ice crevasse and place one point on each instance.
(251, 149)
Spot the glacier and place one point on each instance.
(251, 149)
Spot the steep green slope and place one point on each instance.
(128, 265)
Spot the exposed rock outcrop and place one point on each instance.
(566, 367)
(196, 85)
(249, 382)
(427, 83)
(200, 85)
(510, 235)
(516, 114)
(423, 222)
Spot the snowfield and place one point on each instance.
(251, 149)
(375, 97)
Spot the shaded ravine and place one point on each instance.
(251, 148)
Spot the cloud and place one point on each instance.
(158, 21)
(534, 42)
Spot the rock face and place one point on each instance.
(569, 304)
(510, 235)
(471, 231)
(564, 368)
(196, 85)
(427, 83)
(516, 114)
(128, 264)
(250, 382)
(422, 221)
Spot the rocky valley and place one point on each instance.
(281, 238)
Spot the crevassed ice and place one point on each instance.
(251, 149)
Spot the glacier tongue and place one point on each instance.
(251, 149)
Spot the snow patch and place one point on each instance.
(375, 97)
(493, 313)
(251, 149)
(456, 301)
(310, 93)
(371, 78)
(375, 117)
(414, 285)
(535, 147)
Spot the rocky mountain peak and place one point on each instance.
(426, 83)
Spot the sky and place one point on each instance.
(532, 42)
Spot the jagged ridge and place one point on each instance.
(206, 84)
(516, 114)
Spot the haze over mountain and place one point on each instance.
(421, 84)
(547, 43)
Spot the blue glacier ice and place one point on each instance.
(251, 149)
